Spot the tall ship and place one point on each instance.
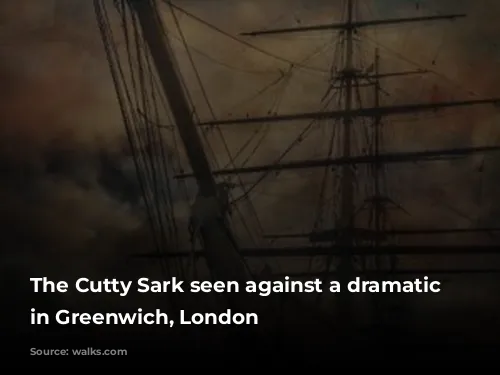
(266, 191)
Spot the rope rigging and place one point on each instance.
(136, 95)
(156, 161)
(219, 132)
(157, 155)
(243, 42)
(142, 115)
(230, 36)
(240, 41)
(284, 77)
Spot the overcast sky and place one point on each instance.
(58, 111)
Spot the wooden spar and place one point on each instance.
(221, 249)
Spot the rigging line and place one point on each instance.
(439, 49)
(193, 107)
(163, 158)
(155, 88)
(212, 113)
(222, 63)
(259, 143)
(149, 138)
(363, 145)
(149, 141)
(123, 14)
(112, 51)
(137, 127)
(440, 201)
(297, 141)
(163, 236)
(184, 187)
(167, 109)
(283, 75)
(198, 77)
(319, 208)
(357, 97)
(246, 144)
(151, 153)
(204, 132)
(249, 45)
(145, 149)
(421, 66)
(324, 181)
(259, 92)
(336, 174)
(281, 96)
(266, 128)
(117, 73)
(277, 105)
(319, 50)
(160, 161)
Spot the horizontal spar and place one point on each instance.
(420, 271)
(307, 251)
(384, 158)
(361, 112)
(369, 234)
(353, 25)
(395, 74)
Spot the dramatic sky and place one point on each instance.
(68, 188)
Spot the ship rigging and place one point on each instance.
(351, 231)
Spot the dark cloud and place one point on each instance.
(67, 185)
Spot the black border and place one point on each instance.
(149, 351)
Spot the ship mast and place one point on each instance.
(346, 217)
(348, 76)
(345, 235)
(378, 208)
(221, 249)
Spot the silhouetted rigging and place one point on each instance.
(346, 241)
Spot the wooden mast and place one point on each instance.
(221, 250)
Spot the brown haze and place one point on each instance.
(57, 101)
